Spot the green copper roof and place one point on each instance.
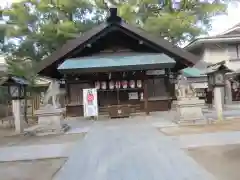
(192, 72)
(118, 62)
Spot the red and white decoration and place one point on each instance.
(90, 103)
(103, 85)
(132, 84)
(118, 84)
(124, 84)
(111, 85)
(97, 85)
(139, 83)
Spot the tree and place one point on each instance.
(40, 27)
(177, 21)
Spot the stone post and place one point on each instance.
(218, 101)
(18, 117)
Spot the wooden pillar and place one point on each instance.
(67, 89)
(168, 87)
(145, 93)
(67, 96)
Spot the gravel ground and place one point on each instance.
(231, 125)
(222, 161)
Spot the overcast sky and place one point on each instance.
(219, 24)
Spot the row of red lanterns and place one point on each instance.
(118, 84)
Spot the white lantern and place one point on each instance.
(141, 95)
(97, 85)
(124, 84)
(117, 84)
(132, 84)
(103, 85)
(139, 83)
(111, 85)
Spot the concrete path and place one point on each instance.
(129, 152)
(18, 153)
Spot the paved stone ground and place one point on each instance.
(30, 170)
(23, 153)
(129, 151)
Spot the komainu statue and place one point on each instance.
(53, 93)
(184, 88)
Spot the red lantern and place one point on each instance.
(97, 85)
(132, 84)
(117, 84)
(124, 84)
(111, 85)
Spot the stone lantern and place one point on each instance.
(17, 91)
(216, 83)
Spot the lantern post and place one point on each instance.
(216, 81)
(17, 91)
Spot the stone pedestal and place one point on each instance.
(50, 121)
(189, 111)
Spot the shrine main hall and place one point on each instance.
(131, 69)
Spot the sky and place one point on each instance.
(219, 23)
(224, 22)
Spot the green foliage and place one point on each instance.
(40, 27)
(176, 22)
(22, 68)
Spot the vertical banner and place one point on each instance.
(90, 104)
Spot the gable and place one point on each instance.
(84, 45)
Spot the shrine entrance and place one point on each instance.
(121, 89)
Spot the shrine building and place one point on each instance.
(129, 67)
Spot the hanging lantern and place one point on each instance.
(103, 85)
(117, 84)
(124, 84)
(97, 85)
(111, 85)
(132, 84)
(139, 83)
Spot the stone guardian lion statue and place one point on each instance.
(184, 88)
(53, 93)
